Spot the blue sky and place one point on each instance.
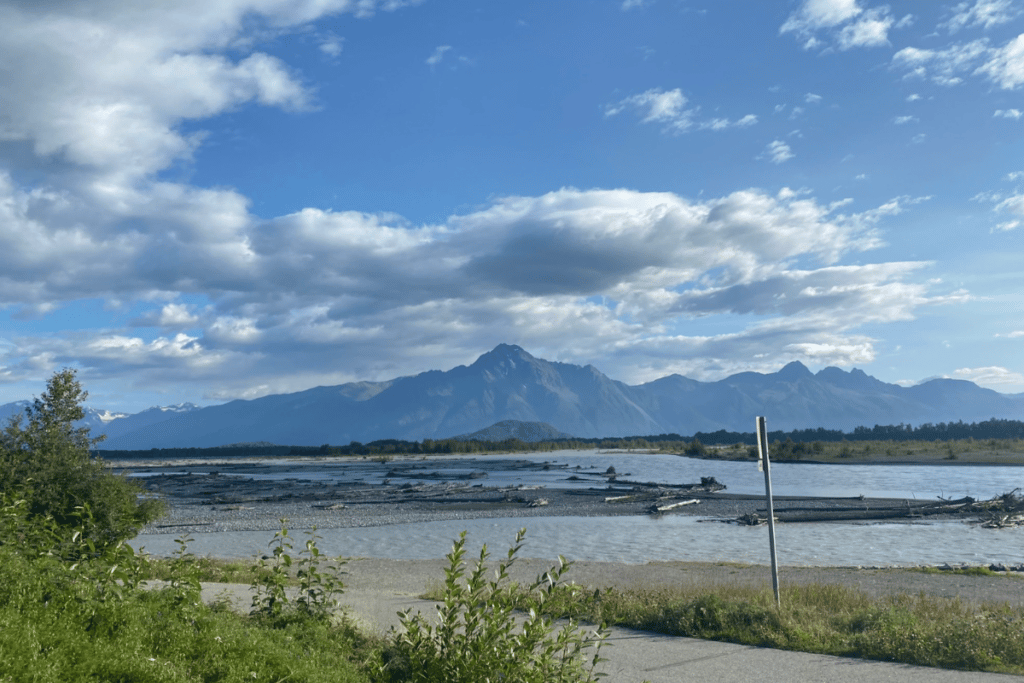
(218, 199)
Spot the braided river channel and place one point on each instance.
(642, 538)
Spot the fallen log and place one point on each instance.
(658, 509)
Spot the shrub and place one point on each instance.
(45, 460)
(478, 636)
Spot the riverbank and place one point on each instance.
(205, 496)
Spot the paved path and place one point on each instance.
(635, 656)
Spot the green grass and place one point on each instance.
(55, 625)
(825, 619)
(966, 571)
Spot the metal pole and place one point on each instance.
(765, 464)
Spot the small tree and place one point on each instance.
(45, 459)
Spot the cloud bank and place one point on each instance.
(242, 306)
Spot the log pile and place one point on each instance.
(664, 497)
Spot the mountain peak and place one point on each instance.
(793, 371)
(503, 352)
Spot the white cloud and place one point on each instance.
(1009, 206)
(1005, 66)
(669, 108)
(914, 97)
(941, 66)
(1013, 204)
(523, 268)
(1008, 113)
(777, 152)
(870, 30)
(992, 376)
(633, 4)
(845, 21)
(811, 98)
(901, 120)
(241, 305)
(982, 13)
(818, 14)
(332, 46)
(438, 55)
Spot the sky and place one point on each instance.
(205, 200)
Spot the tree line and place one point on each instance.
(943, 431)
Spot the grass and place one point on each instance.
(88, 619)
(824, 619)
(56, 626)
(967, 571)
(71, 610)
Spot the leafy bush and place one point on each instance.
(318, 585)
(478, 636)
(45, 460)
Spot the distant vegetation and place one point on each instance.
(951, 441)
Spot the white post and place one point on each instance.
(765, 464)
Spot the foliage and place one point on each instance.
(45, 460)
(478, 636)
(63, 620)
(317, 585)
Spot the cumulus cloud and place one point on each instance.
(845, 22)
(243, 305)
(524, 268)
(669, 108)
(1008, 113)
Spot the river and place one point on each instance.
(642, 539)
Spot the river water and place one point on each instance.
(643, 539)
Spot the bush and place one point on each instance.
(45, 460)
(478, 636)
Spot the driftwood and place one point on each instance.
(658, 509)
(646, 491)
(1003, 511)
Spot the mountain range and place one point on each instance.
(508, 383)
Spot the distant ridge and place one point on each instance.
(509, 384)
(528, 432)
